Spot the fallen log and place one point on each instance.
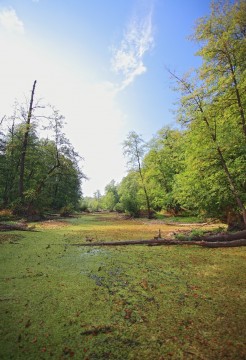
(221, 237)
(18, 227)
(226, 240)
(218, 244)
(185, 224)
(233, 243)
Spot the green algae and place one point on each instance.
(60, 301)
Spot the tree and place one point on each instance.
(37, 173)
(134, 149)
(129, 192)
(8, 168)
(213, 104)
(25, 143)
(96, 204)
(160, 165)
(111, 197)
(223, 36)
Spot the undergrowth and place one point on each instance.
(198, 233)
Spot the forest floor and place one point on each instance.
(135, 302)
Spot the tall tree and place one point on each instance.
(214, 101)
(223, 39)
(134, 148)
(25, 143)
(160, 165)
(37, 173)
(111, 197)
(131, 200)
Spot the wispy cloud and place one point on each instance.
(10, 21)
(137, 41)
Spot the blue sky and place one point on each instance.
(102, 64)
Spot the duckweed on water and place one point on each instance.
(137, 302)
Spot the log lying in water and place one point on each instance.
(219, 240)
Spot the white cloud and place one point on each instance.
(10, 21)
(128, 58)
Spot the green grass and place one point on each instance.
(136, 302)
(185, 218)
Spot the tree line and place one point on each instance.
(200, 165)
(39, 167)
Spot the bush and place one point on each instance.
(6, 214)
(66, 211)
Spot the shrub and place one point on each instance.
(66, 211)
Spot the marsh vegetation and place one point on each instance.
(139, 302)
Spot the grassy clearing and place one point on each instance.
(137, 302)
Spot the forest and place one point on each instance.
(198, 166)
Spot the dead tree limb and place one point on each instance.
(220, 240)
(218, 244)
(25, 143)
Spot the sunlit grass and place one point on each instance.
(137, 302)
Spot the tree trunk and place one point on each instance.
(25, 144)
(145, 190)
(219, 240)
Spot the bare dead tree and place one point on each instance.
(25, 143)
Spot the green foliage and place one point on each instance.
(212, 108)
(130, 196)
(84, 205)
(67, 210)
(161, 164)
(51, 176)
(111, 197)
(134, 149)
(197, 233)
(202, 167)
